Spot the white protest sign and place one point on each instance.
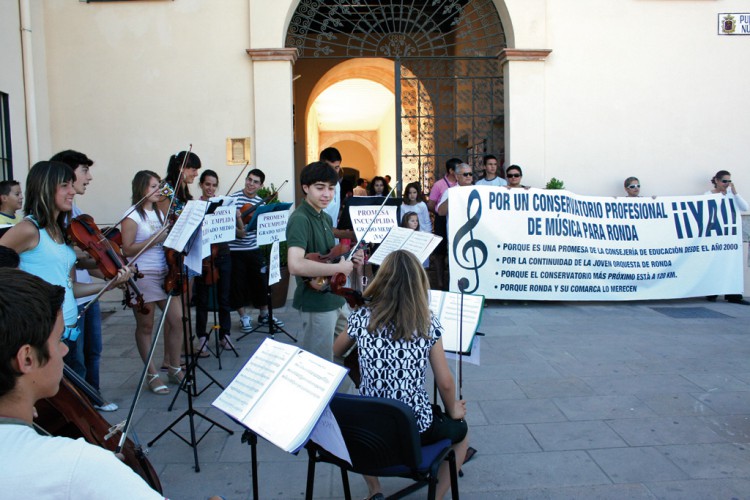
(272, 227)
(362, 216)
(555, 245)
(274, 266)
(220, 226)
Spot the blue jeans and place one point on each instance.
(90, 350)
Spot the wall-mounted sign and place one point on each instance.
(734, 23)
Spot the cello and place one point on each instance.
(70, 414)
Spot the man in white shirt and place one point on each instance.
(491, 177)
(31, 367)
(332, 156)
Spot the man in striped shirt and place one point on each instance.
(249, 270)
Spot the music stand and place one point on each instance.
(273, 328)
(188, 383)
(213, 304)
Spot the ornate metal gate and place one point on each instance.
(450, 107)
(448, 83)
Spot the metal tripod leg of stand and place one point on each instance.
(188, 386)
(272, 326)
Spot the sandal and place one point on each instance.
(156, 385)
(201, 348)
(175, 374)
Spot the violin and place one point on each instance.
(70, 414)
(173, 282)
(209, 272)
(322, 283)
(248, 209)
(108, 255)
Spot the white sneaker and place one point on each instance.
(263, 320)
(247, 324)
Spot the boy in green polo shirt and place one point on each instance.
(310, 230)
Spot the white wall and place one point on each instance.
(131, 83)
(632, 87)
(644, 88)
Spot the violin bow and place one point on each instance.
(237, 178)
(362, 239)
(177, 184)
(265, 201)
(161, 187)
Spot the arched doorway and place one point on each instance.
(447, 82)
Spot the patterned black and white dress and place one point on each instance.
(394, 369)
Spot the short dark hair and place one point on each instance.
(514, 167)
(6, 186)
(28, 311)
(208, 173)
(318, 171)
(72, 158)
(257, 173)
(361, 181)
(452, 164)
(488, 157)
(330, 154)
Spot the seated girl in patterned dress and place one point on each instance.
(396, 335)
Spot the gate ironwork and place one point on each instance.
(450, 107)
(448, 83)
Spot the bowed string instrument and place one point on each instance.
(109, 256)
(336, 284)
(173, 282)
(248, 209)
(342, 250)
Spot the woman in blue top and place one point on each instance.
(397, 335)
(42, 243)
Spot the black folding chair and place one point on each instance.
(382, 439)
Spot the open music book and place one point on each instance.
(281, 393)
(419, 243)
(447, 307)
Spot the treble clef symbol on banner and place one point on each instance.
(472, 245)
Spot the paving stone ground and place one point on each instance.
(571, 400)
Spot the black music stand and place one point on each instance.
(214, 305)
(188, 383)
(273, 328)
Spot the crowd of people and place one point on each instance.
(395, 323)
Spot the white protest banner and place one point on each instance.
(274, 266)
(555, 245)
(272, 227)
(362, 216)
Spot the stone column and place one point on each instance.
(523, 71)
(273, 115)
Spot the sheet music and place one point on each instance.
(446, 306)
(189, 220)
(420, 243)
(327, 434)
(247, 387)
(285, 412)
